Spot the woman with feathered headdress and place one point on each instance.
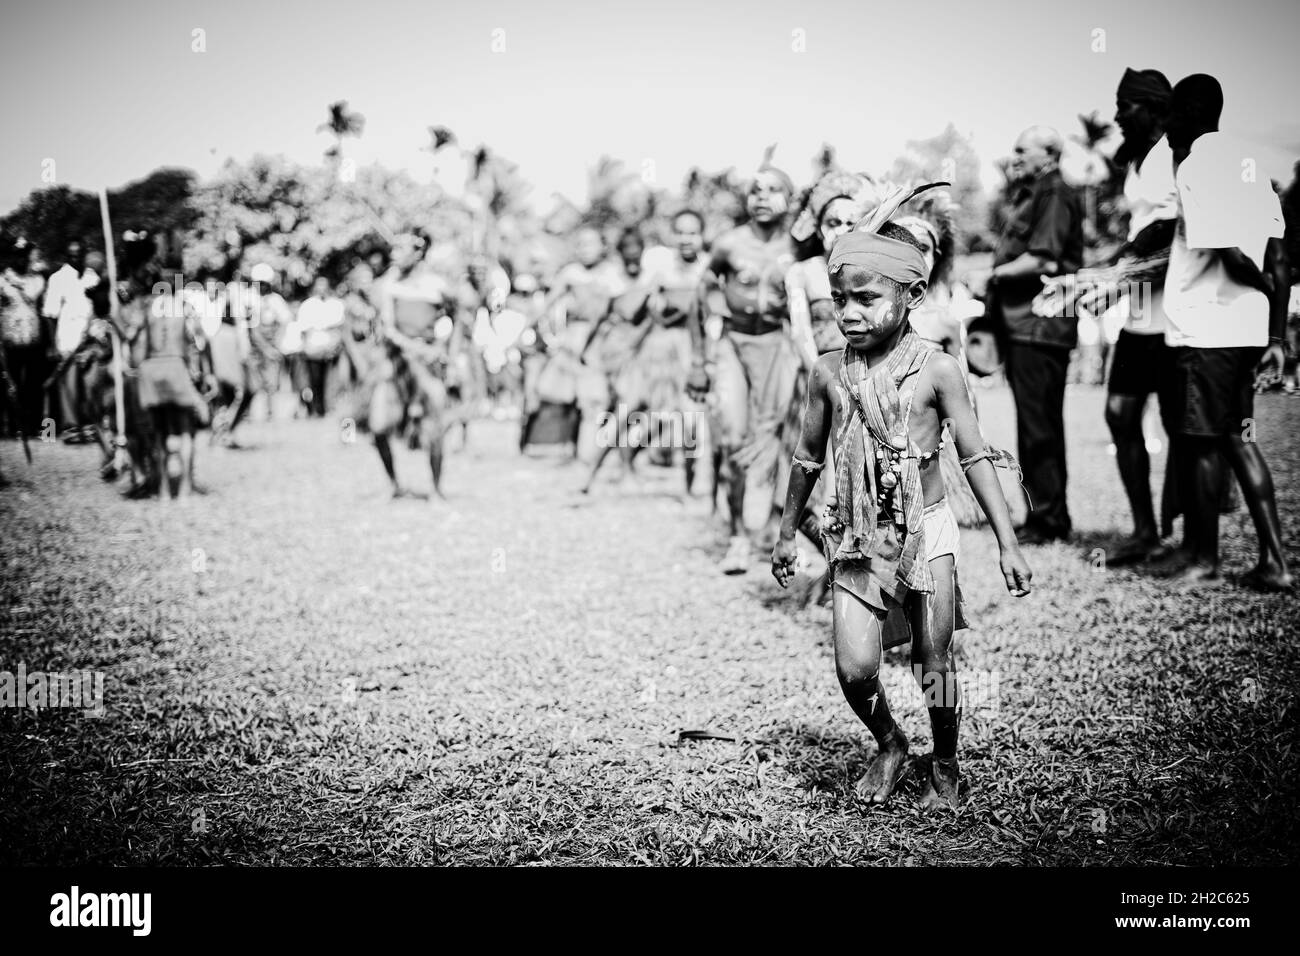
(833, 205)
(830, 208)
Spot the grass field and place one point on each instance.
(298, 670)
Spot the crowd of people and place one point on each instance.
(821, 344)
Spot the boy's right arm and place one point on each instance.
(810, 457)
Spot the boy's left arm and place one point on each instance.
(953, 404)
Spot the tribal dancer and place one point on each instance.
(832, 207)
(654, 381)
(584, 288)
(613, 342)
(173, 357)
(402, 388)
(756, 361)
(891, 538)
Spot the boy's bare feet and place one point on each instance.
(942, 785)
(878, 783)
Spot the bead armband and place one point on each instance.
(810, 467)
(998, 459)
(987, 454)
(995, 456)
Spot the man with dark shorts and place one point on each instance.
(1226, 298)
(1142, 361)
(1043, 236)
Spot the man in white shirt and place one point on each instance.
(1226, 299)
(321, 320)
(1142, 362)
(68, 304)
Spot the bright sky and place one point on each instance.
(111, 90)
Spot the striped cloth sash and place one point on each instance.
(877, 470)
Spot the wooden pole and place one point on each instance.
(119, 380)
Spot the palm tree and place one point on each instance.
(342, 123)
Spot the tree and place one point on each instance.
(616, 197)
(949, 156)
(341, 124)
(302, 222)
(50, 218)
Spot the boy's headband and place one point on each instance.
(890, 258)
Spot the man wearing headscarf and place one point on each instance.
(1142, 362)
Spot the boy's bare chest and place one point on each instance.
(916, 407)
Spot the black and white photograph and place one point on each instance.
(749, 436)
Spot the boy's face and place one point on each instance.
(870, 308)
(767, 200)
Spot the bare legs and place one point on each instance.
(931, 618)
(858, 631)
(1124, 417)
(1203, 474)
(385, 450)
(432, 433)
(174, 428)
(1247, 463)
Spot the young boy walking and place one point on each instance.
(890, 537)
